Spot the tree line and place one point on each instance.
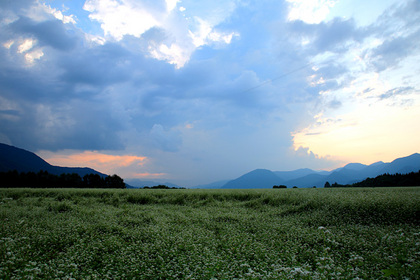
(43, 179)
(384, 180)
(162, 187)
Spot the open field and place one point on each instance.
(204, 234)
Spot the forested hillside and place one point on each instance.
(385, 180)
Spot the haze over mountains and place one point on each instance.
(351, 173)
(12, 158)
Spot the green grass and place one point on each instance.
(205, 234)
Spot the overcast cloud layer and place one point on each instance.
(199, 91)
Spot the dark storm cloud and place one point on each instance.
(77, 125)
(98, 66)
(53, 103)
(49, 33)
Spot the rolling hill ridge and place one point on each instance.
(12, 158)
(349, 174)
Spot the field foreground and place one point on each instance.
(205, 234)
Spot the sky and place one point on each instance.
(194, 92)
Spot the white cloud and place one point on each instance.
(362, 11)
(95, 40)
(59, 15)
(8, 44)
(26, 45)
(34, 55)
(205, 34)
(310, 11)
(174, 54)
(171, 4)
(203, 30)
(121, 18)
(25, 48)
(183, 31)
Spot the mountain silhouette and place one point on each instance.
(299, 173)
(137, 183)
(259, 178)
(306, 178)
(12, 158)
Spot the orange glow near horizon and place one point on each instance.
(148, 175)
(101, 162)
(363, 136)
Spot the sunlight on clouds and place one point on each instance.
(362, 11)
(222, 37)
(174, 54)
(95, 40)
(377, 117)
(369, 133)
(26, 45)
(184, 33)
(147, 175)
(310, 11)
(171, 4)
(205, 34)
(59, 15)
(8, 44)
(199, 37)
(25, 48)
(32, 56)
(119, 19)
(315, 80)
(108, 164)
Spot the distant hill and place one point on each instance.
(137, 183)
(214, 185)
(259, 178)
(306, 178)
(12, 158)
(299, 173)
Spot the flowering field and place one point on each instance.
(210, 234)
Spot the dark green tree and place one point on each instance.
(114, 182)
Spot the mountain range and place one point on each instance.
(349, 174)
(13, 158)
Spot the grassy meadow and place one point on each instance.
(210, 234)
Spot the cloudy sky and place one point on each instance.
(198, 91)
